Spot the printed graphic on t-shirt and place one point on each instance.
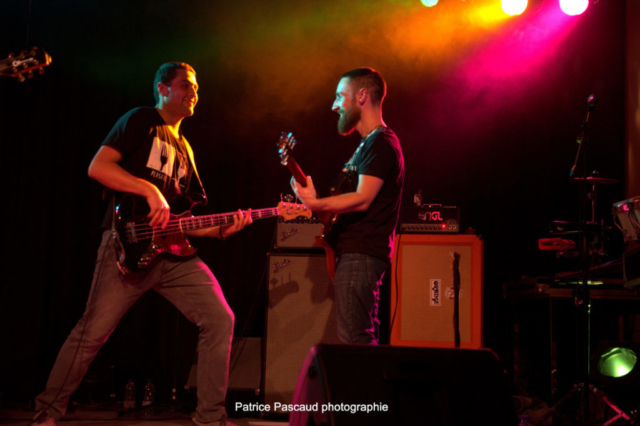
(162, 159)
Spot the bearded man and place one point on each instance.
(368, 205)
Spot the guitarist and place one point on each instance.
(146, 154)
(368, 207)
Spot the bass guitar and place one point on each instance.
(285, 145)
(138, 244)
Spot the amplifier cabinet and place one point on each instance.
(422, 273)
(298, 234)
(299, 315)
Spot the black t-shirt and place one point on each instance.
(372, 232)
(150, 151)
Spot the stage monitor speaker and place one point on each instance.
(422, 276)
(385, 385)
(300, 314)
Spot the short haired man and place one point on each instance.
(368, 208)
(146, 155)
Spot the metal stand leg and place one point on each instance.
(620, 412)
(553, 409)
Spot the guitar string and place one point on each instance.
(149, 232)
(215, 220)
(176, 225)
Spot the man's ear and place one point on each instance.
(362, 95)
(162, 89)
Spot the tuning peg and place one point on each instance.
(41, 71)
(30, 74)
(288, 198)
(10, 56)
(21, 78)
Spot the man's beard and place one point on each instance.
(348, 121)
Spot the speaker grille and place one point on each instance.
(300, 314)
(298, 234)
(424, 272)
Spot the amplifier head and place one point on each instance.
(299, 233)
(430, 218)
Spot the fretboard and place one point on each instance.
(209, 221)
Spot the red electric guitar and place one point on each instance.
(328, 219)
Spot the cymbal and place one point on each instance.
(595, 180)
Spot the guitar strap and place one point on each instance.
(195, 171)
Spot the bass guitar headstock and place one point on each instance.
(290, 211)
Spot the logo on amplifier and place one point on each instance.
(435, 293)
(286, 235)
(278, 266)
(430, 216)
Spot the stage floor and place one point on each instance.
(111, 418)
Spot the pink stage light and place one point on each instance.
(574, 7)
(503, 74)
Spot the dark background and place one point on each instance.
(487, 113)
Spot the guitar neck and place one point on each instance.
(297, 172)
(209, 221)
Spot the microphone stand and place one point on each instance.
(581, 295)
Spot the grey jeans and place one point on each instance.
(189, 286)
(356, 287)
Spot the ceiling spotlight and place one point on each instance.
(574, 7)
(514, 7)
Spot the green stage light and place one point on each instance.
(615, 371)
(617, 362)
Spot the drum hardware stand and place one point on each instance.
(580, 388)
(581, 293)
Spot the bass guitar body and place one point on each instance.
(138, 244)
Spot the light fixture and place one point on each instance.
(617, 362)
(513, 7)
(615, 369)
(574, 7)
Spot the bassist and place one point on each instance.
(368, 210)
(146, 154)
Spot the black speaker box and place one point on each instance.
(385, 385)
